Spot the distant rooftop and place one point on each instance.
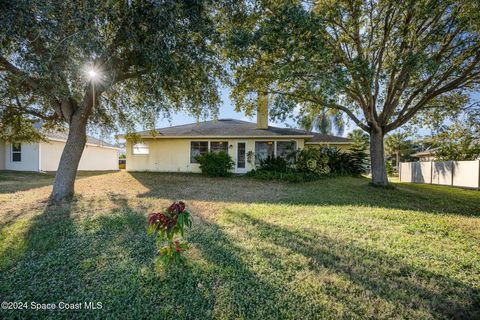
(60, 135)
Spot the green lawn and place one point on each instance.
(331, 249)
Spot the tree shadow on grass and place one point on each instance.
(107, 257)
(412, 290)
(336, 191)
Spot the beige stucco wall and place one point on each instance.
(29, 157)
(93, 158)
(173, 155)
(2, 155)
(341, 146)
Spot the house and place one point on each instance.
(45, 155)
(174, 149)
(320, 140)
(426, 155)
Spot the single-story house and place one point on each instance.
(173, 149)
(45, 155)
(426, 155)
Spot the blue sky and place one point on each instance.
(226, 110)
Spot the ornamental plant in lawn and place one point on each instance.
(167, 226)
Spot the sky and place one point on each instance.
(226, 110)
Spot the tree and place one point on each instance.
(325, 120)
(360, 139)
(379, 62)
(358, 150)
(97, 63)
(458, 142)
(396, 144)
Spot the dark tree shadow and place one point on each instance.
(109, 258)
(387, 277)
(338, 191)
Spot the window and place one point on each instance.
(219, 146)
(263, 149)
(141, 148)
(285, 148)
(16, 152)
(197, 148)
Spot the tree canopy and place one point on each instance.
(147, 57)
(379, 62)
(151, 56)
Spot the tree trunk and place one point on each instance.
(377, 155)
(63, 187)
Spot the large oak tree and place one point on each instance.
(148, 57)
(380, 62)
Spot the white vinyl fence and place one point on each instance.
(451, 173)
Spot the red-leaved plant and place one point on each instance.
(166, 226)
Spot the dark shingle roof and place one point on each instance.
(60, 135)
(326, 138)
(223, 128)
(237, 128)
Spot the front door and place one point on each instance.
(241, 158)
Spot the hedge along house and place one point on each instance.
(174, 149)
(45, 155)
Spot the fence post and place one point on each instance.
(431, 171)
(453, 172)
(400, 172)
(478, 167)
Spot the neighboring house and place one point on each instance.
(174, 149)
(426, 155)
(45, 155)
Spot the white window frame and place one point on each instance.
(15, 152)
(237, 169)
(208, 148)
(141, 154)
(190, 149)
(210, 144)
(275, 145)
(294, 141)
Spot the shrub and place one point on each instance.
(360, 162)
(167, 225)
(276, 164)
(311, 160)
(215, 164)
(312, 164)
(391, 170)
(339, 162)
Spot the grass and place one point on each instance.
(330, 249)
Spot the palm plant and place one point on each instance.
(323, 120)
(396, 144)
